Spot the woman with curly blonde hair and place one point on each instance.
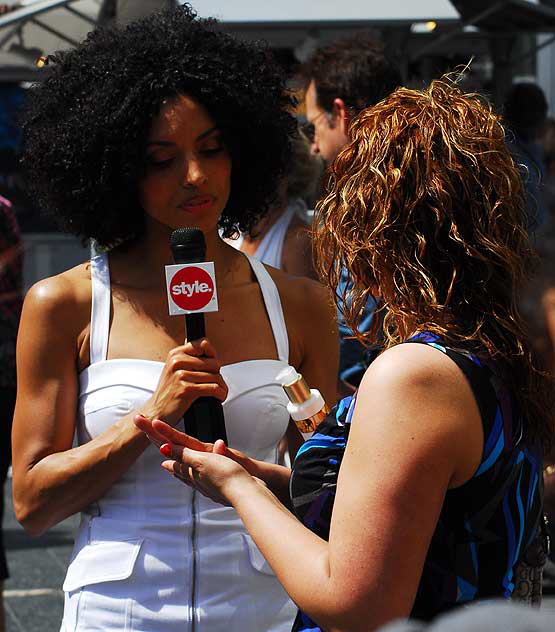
(434, 465)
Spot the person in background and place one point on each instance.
(525, 113)
(482, 617)
(548, 189)
(539, 309)
(538, 303)
(138, 131)
(422, 492)
(282, 239)
(342, 79)
(11, 286)
(538, 306)
(541, 304)
(12, 98)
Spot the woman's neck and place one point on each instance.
(152, 253)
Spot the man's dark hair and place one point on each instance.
(85, 127)
(525, 109)
(354, 69)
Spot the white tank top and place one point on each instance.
(171, 559)
(270, 248)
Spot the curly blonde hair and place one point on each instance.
(425, 207)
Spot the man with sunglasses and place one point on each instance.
(340, 80)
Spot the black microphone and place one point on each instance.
(205, 417)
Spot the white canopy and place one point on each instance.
(282, 22)
(288, 11)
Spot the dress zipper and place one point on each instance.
(194, 560)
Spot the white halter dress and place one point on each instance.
(151, 555)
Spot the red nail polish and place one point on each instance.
(165, 449)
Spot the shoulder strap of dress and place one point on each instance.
(100, 308)
(270, 247)
(272, 302)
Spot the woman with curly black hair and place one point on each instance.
(166, 123)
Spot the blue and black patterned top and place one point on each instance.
(484, 526)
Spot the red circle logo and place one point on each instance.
(191, 288)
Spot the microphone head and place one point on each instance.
(188, 245)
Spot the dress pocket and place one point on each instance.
(102, 560)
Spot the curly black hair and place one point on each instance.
(85, 126)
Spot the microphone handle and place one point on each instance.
(205, 417)
(195, 326)
(205, 420)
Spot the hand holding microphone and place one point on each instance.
(191, 371)
(192, 291)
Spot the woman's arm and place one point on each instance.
(416, 431)
(52, 480)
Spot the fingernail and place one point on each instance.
(165, 449)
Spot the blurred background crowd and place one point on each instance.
(507, 48)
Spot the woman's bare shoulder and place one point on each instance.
(416, 365)
(417, 379)
(425, 395)
(66, 295)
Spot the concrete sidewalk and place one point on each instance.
(33, 595)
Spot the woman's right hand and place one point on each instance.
(191, 371)
(274, 476)
(160, 433)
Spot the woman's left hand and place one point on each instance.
(213, 474)
(268, 475)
